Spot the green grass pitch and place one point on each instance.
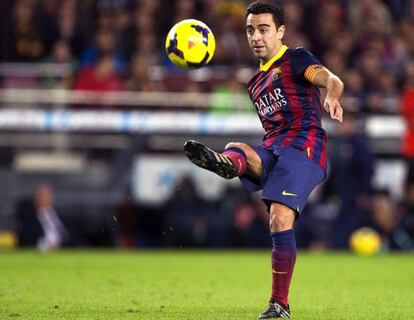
(199, 285)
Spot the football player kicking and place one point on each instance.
(291, 161)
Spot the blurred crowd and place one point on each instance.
(116, 45)
(112, 44)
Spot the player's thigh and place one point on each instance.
(289, 185)
(254, 162)
(281, 217)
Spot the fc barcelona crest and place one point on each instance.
(276, 73)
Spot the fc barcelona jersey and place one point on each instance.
(288, 105)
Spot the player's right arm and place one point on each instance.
(323, 78)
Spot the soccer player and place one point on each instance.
(291, 161)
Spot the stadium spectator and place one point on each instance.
(384, 219)
(100, 77)
(105, 45)
(69, 25)
(230, 97)
(184, 9)
(297, 39)
(351, 166)
(186, 216)
(139, 79)
(327, 19)
(369, 16)
(294, 15)
(370, 64)
(346, 47)
(405, 234)
(335, 61)
(38, 223)
(146, 45)
(29, 32)
(221, 218)
(228, 41)
(123, 28)
(315, 229)
(63, 58)
(250, 222)
(237, 219)
(354, 96)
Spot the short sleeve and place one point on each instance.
(302, 59)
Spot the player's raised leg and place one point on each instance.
(236, 160)
(283, 260)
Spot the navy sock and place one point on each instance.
(283, 263)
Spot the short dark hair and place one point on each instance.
(263, 6)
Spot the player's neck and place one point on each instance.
(272, 55)
(278, 53)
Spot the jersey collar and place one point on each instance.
(279, 54)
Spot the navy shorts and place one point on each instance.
(288, 177)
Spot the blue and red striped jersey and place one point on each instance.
(288, 104)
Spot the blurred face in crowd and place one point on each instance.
(294, 13)
(23, 11)
(105, 67)
(43, 196)
(264, 37)
(354, 81)
(409, 73)
(383, 212)
(105, 40)
(61, 52)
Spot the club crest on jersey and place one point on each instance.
(276, 73)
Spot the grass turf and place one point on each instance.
(199, 285)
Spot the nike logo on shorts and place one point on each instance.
(288, 194)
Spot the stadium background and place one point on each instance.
(91, 106)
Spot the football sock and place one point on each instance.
(283, 263)
(238, 158)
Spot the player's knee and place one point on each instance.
(239, 145)
(281, 220)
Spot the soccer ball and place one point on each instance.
(365, 241)
(190, 44)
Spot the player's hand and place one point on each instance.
(333, 107)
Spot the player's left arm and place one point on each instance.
(322, 77)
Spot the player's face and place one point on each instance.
(264, 37)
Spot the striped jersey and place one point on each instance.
(288, 105)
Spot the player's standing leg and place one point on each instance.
(240, 159)
(283, 260)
